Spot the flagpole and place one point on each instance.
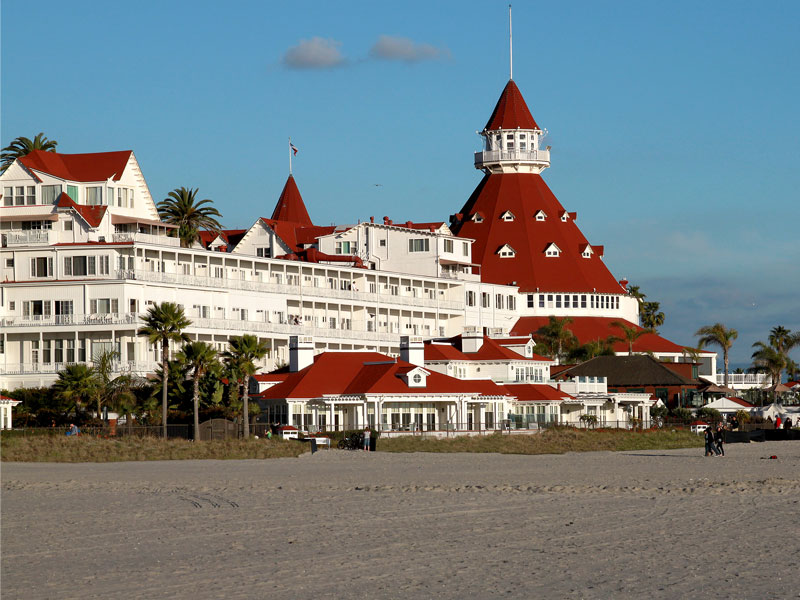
(510, 47)
(290, 156)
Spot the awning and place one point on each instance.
(121, 219)
(48, 216)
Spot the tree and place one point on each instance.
(22, 146)
(103, 366)
(182, 208)
(593, 348)
(164, 323)
(721, 336)
(635, 292)
(77, 384)
(630, 334)
(652, 317)
(555, 338)
(244, 351)
(198, 357)
(767, 359)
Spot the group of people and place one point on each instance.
(715, 440)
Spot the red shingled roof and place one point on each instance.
(95, 166)
(352, 373)
(491, 350)
(511, 111)
(532, 392)
(290, 205)
(587, 329)
(93, 215)
(525, 194)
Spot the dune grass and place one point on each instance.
(552, 441)
(95, 449)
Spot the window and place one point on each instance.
(264, 252)
(523, 143)
(511, 303)
(9, 263)
(345, 247)
(20, 195)
(103, 306)
(72, 192)
(552, 250)
(583, 301)
(58, 354)
(30, 198)
(470, 298)
(36, 225)
(477, 217)
(422, 245)
(8, 196)
(70, 351)
(507, 216)
(541, 300)
(50, 194)
(111, 196)
(530, 301)
(485, 300)
(558, 300)
(67, 225)
(42, 267)
(566, 301)
(541, 216)
(417, 378)
(510, 141)
(94, 195)
(64, 307)
(549, 300)
(448, 246)
(507, 252)
(498, 301)
(465, 248)
(575, 301)
(382, 243)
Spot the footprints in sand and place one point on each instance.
(197, 500)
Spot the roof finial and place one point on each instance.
(510, 47)
(290, 155)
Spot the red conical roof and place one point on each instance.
(290, 205)
(511, 111)
(524, 195)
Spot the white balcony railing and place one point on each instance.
(92, 319)
(261, 286)
(146, 238)
(118, 367)
(27, 238)
(535, 157)
(744, 380)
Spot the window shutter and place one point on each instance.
(26, 309)
(33, 267)
(50, 266)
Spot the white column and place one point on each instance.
(330, 417)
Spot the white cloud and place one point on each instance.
(399, 48)
(316, 53)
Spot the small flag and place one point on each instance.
(294, 149)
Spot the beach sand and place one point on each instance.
(663, 524)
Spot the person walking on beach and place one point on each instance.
(366, 439)
(709, 441)
(778, 422)
(719, 438)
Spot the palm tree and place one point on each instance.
(244, 351)
(76, 383)
(652, 318)
(555, 337)
(181, 208)
(630, 334)
(164, 323)
(767, 359)
(22, 146)
(593, 348)
(198, 357)
(721, 336)
(103, 365)
(782, 339)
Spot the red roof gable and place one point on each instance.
(511, 111)
(93, 215)
(525, 194)
(290, 205)
(532, 392)
(740, 402)
(587, 329)
(96, 166)
(352, 373)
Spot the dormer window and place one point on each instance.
(540, 216)
(477, 218)
(552, 250)
(416, 377)
(507, 216)
(586, 251)
(564, 217)
(507, 251)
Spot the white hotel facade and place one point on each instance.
(84, 254)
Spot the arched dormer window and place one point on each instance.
(507, 216)
(540, 215)
(552, 250)
(506, 251)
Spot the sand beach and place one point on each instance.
(663, 524)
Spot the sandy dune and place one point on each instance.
(356, 525)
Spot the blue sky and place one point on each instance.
(674, 126)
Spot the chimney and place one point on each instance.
(372, 219)
(412, 350)
(301, 352)
(471, 340)
(386, 220)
